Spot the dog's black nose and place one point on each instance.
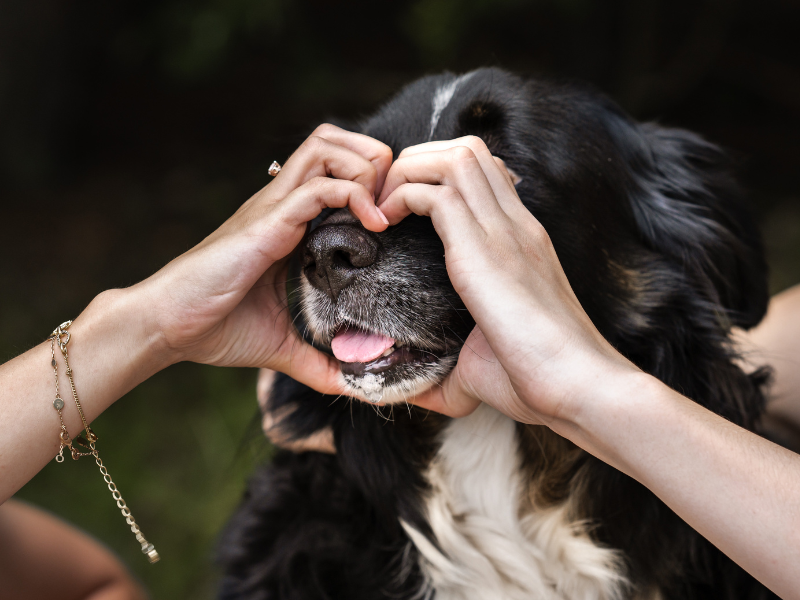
(335, 254)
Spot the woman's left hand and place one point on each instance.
(224, 301)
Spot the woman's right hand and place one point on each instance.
(535, 352)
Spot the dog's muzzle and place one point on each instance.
(350, 296)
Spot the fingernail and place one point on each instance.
(382, 216)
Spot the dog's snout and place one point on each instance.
(336, 254)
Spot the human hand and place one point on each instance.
(224, 301)
(535, 354)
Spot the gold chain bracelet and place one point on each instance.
(85, 446)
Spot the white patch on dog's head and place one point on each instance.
(444, 94)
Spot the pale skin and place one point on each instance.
(776, 342)
(534, 354)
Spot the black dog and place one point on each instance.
(653, 234)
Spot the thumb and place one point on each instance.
(450, 398)
(309, 366)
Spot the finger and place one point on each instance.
(446, 400)
(304, 363)
(319, 157)
(457, 167)
(512, 175)
(451, 217)
(501, 164)
(310, 199)
(376, 152)
(497, 176)
(511, 201)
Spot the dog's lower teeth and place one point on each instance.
(388, 351)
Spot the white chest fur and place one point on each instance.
(493, 548)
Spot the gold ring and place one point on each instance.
(274, 168)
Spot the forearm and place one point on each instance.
(222, 303)
(113, 348)
(738, 490)
(76, 567)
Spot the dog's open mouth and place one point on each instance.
(362, 352)
(382, 305)
(367, 358)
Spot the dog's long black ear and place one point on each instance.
(687, 204)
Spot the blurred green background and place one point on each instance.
(130, 130)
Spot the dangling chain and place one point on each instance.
(80, 446)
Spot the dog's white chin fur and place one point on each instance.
(373, 389)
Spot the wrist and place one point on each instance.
(116, 331)
(138, 309)
(607, 411)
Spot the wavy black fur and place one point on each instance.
(656, 239)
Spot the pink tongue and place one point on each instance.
(355, 345)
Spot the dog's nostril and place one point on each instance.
(336, 254)
(342, 259)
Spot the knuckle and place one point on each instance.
(318, 183)
(463, 155)
(385, 153)
(385, 148)
(475, 143)
(325, 129)
(371, 171)
(539, 235)
(448, 194)
(344, 188)
(400, 163)
(315, 144)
